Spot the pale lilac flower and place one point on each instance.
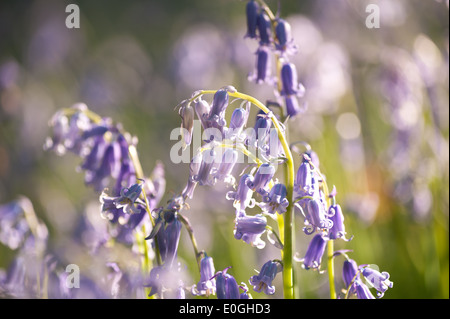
(223, 171)
(243, 195)
(380, 281)
(263, 176)
(207, 284)
(250, 229)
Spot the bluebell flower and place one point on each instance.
(126, 201)
(202, 109)
(109, 168)
(207, 284)
(194, 168)
(223, 171)
(283, 37)
(289, 80)
(168, 240)
(350, 274)
(303, 184)
(263, 281)
(244, 294)
(13, 225)
(208, 161)
(251, 10)
(362, 291)
(264, 28)
(292, 105)
(316, 216)
(275, 201)
(186, 113)
(337, 217)
(92, 160)
(263, 176)
(167, 230)
(243, 195)
(291, 89)
(227, 287)
(262, 72)
(250, 229)
(380, 281)
(216, 116)
(314, 253)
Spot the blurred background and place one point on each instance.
(378, 117)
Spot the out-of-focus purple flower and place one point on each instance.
(264, 28)
(109, 168)
(380, 281)
(314, 253)
(263, 281)
(362, 291)
(243, 195)
(13, 225)
(289, 81)
(187, 112)
(349, 274)
(126, 201)
(262, 177)
(283, 40)
(244, 294)
(250, 229)
(262, 72)
(227, 287)
(208, 161)
(251, 10)
(291, 89)
(207, 284)
(275, 201)
(168, 240)
(202, 108)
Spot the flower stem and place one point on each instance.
(331, 268)
(190, 231)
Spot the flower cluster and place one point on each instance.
(104, 148)
(275, 38)
(243, 153)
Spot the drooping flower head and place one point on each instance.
(227, 287)
(275, 201)
(251, 10)
(379, 280)
(250, 229)
(314, 253)
(207, 284)
(263, 281)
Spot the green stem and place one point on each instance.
(190, 231)
(331, 268)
